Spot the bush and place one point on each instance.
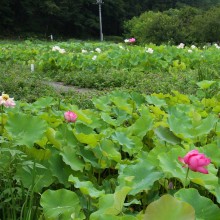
(187, 24)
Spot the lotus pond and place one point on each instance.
(133, 156)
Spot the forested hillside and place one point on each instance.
(79, 18)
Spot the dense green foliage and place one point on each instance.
(78, 18)
(188, 25)
(119, 159)
(106, 65)
(114, 161)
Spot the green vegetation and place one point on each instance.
(80, 19)
(115, 161)
(187, 24)
(106, 66)
(146, 108)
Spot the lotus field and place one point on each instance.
(133, 156)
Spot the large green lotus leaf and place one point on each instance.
(169, 208)
(83, 128)
(169, 164)
(84, 116)
(89, 139)
(204, 207)
(36, 176)
(126, 142)
(139, 177)
(122, 104)
(111, 204)
(218, 128)
(152, 156)
(44, 102)
(121, 115)
(166, 135)
(206, 125)
(109, 150)
(25, 129)
(86, 187)
(138, 98)
(113, 217)
(95, 120)
(217, 193)
(205, 84)
(190, 128)
(102, 103)
(72, 159)
(50, 133)
(143, 124)
(89, 157)
(59, 169)
(38, 154)
(108, 119)
(61, 204)
(138, 144)
(213, 152)
(155, 100)
(65, 136)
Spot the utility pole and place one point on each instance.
(99, 2)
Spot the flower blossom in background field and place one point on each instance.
(70, 116)
(193, 47)
(84, 51)
(94, 57)
(181, 46)
(98, 50)
(131, 40)
(62, 51)
(216, 45)
(195, 161)
(149, 50)
(57, 48)
(6, 101)
(190, 51)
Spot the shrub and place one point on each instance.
(186, 25)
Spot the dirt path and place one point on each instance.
(59, 86)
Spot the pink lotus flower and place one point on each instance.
(70, 116)
(195, 161)
(132, 40)
(6, 101)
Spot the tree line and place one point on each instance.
(79, 18)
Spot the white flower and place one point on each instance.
(98, 50)
(84, 51)
(94, 57)
(62, 51)
(150, 50)
(193, 46)
(55, 48)
(121, 47)
(216, 45)
(181, 45)
(126, 40)
(190, 51)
